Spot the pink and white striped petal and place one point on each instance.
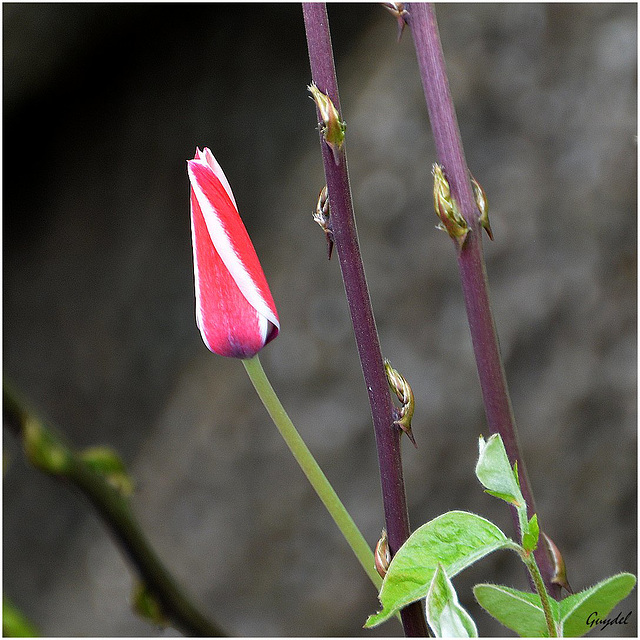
(235, 311)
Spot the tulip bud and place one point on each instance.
(235, 311)
(451, 220)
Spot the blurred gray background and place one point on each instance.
(103, 105)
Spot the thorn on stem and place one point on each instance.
(559, 568)
(322, 215)
(482, 204)
(398, 11)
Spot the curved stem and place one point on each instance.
(50, 453)
(115, 510)
(345, 237)
(311, 469)
(471, 264)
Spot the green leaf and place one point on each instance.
(495, 473)
(455, 540)
(445, 616)
(578, 613)
(531, 534)
(147, 606)
(519, 611)
(14, 622)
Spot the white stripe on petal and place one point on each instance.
(228, 255)
(263, 325)
(217, 170)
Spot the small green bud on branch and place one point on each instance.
(108, 463)
(451, 220)
(401, 388)
(44, 449)
(331, 126)
(483, 205)
(382, 554)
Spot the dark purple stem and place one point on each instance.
(346, 242)
(471, 265)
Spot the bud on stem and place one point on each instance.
(560, 570)
(382, 554)
(44, 450)
(332, 127)
(451, 220)
(400, 14)
(403, 391)
(322, 216)
(482, 204)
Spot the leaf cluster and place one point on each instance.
(441, 548)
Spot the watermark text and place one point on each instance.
(593, 620)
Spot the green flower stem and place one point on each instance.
(311, 469)
(538, 582)
(48, 451)
(536, 576)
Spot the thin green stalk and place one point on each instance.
(311, 469)
(536, 577)
(529, 561)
